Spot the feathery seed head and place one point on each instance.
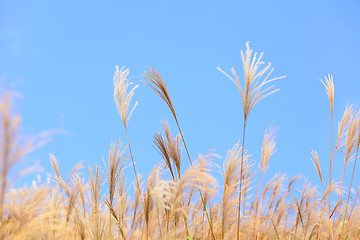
(351, 136)
(255, 80)
(315, 161)
(329, 86)
(170, 149)
(342, 126)
(121, 95)
(268, 148)
(163, 193)
(157, 84)
(115, 165)
(95, 183)
(232, 166)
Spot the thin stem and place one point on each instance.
(182, 137)
(321, 214)
(110, 222)
(352, 177)
(240, 181)
(146, 230)
(331, 164)
(352, 208)
(5, 162)
(159, 221)
(223, 211)
(133, 164)
(257, 208)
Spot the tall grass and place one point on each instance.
(177, 203)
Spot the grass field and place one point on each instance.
(173, 203)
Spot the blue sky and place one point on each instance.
(61, 57)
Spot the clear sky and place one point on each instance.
(61, 56)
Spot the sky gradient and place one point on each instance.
(61, 58)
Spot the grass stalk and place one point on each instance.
(240, 182)
(157, 84)
(329, 87)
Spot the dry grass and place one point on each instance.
(255, 79)
(177, 203)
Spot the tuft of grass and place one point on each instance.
(179, 202)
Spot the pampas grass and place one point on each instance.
(255, 79)
(175, 202)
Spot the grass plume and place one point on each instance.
(255, 79)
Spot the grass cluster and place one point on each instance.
(173, 203)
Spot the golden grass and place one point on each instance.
(255, 80)
(177, 203)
